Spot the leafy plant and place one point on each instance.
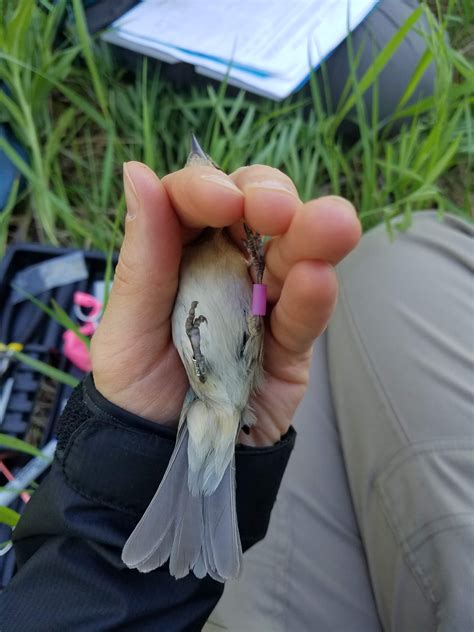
(81, 112)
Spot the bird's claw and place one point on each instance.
(194, 335)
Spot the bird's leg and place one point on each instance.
(194, 335)
(254, 325)
(254, 245)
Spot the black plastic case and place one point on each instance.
(36, 402)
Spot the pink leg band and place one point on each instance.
(259, 299)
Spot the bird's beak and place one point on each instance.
(197, 155)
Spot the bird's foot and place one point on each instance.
(254, 245)
(194, 335)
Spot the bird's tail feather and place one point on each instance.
(212, 434)
(198, 533)
(222, 547)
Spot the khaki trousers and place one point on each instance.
(373, 527)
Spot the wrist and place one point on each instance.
(121, 407)
(160, 406)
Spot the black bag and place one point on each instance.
(100, 13)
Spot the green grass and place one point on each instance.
(80, 115)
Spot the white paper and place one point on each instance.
(267, 47)
(138, 45)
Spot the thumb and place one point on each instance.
(146, 277)
(135, 328)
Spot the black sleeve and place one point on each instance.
(68, 543)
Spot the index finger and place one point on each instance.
(203, 196)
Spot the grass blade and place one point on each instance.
(9, 516)
(12, 443)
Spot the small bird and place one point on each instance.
(217, 329)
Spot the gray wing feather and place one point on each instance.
(149, 545)
(158, 557)
(152, 535)
(183, 542)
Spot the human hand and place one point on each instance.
(135, 364)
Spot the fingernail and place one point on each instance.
(131, 196)
(222, 181)
(272, 185)
(343, 202)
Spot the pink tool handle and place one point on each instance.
(259, 299)
(75, 350)
(82, 299)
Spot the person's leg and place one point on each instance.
(368, 40)
(400, 353)
(309, 574)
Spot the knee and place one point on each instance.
(426, 499)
